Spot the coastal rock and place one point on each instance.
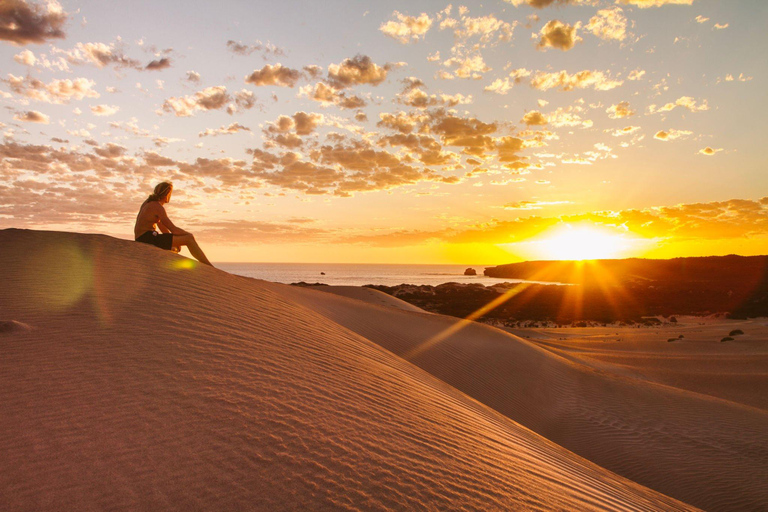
(470, 272)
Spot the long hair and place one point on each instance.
(161, 190)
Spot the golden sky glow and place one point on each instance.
(383, 132)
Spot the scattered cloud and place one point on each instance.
(104, 110)
(644, 4)
(609, 24)
(274, 75)
(556, 34)
(224, 130)
(23, 23)
(581, 80)
(625, 131)
(32, 116)
(532, 205)
(193, 76)
(359, 70)
(620, 110)
(708, 151)
(407, 28)
(686, 102)
(540, 4)
(210, 98)
(515, 77)
(158, 64)
(468, 67)
(672, 134)
(267, 49)
(57, 91)
(534, 118)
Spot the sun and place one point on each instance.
(576, 242)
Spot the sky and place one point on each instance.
(393, 132)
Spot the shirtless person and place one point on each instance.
(153, 214)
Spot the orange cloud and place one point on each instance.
(32, 116)
(278, 75)
(620, 110)
(671, 134)
(644, 4)
(581, 80)
(407, 28)
(708, 151)
(22, 23)
(58, 91)
(609, 24)
(556, 34)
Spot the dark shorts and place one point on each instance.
(161, 240)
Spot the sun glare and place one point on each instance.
(576, 242)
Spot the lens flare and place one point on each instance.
(183, 264)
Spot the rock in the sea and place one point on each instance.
(470, 272)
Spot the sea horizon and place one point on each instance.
(361, 274)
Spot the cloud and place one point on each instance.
(625, 131)
(686, 102)
(210, 98)
(701, 19)
(274, 75)
(326, 95)
(407, 28)
(556, 34)
(515, 77)
(532, 205)
(104, 110)
(487, 28)
(468, 67)
(620, 110)
(534, 118)
(57, 91)
(158, 64)
(100, 55)
(247, 49)
(24, 23)
(193, 76)
(671, 134)
(636, 74)
(359, 70)
(224, 130)
(708, 151)
(26, 57)
(540, 4)
(418, 98)
(567, 82)
(644, 4)
(403, 122)
(301, 123)
(609, 24)
(32, 116)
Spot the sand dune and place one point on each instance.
(148, 383)
(700, 448)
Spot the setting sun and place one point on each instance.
(576, 242)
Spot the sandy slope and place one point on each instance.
(370, 296)
(142, 384)
(706, 450)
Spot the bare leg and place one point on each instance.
(194, 249)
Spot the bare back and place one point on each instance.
(149, 214)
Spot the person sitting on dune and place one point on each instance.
(152, 216)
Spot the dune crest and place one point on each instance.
(152, 383)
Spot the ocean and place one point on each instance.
(357, 274)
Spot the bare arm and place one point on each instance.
(162, 227)
(166, 222)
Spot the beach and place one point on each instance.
(133, 378)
